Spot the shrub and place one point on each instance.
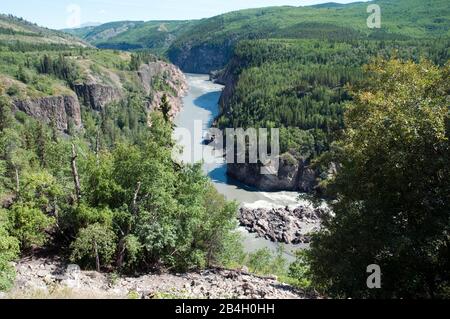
(133, 251)
(266, 262)
(299, 271)
(94, 247)
(29, 225)
(13, 90)
(9, 250)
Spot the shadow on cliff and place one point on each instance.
(219, 176)
(209, 102)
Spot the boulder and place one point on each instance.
(290, 226)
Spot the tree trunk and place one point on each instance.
(135, 198)
(17, 181)
(76, 177)
(121, 255)
(134, 208)
(97, 145)
(97, 258)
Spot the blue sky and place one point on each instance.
(59, 14)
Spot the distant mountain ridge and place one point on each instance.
(14, 29)
(131, 35)
(206, 44)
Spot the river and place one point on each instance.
(201, 104)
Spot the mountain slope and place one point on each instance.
(157, 36)
(207, 44)
(13, 29)
(103, 32)
(401, 19)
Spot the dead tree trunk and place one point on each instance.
(134, 208)
(76, 177)
(97, 145)
(16, 171)
(135, 198)
(97, 257)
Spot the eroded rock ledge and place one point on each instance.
(65, 110)
(50, 278)
(286, 225)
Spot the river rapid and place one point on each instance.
(200, 108)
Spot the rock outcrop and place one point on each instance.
(290, 226)
(293, 175)
(50, 278)
(65, 110)
(62, 110)
(201, 58)
(172, 76)
(97, 96)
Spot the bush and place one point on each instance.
(13, 90)
(9, 250)
(94, 247)
(29, 225)
(264, 262)
(299, 271)
(133, 251)
(81, 216)
(232, 253)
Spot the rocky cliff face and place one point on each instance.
(227, 77)
(202, 58)
(97, 96)
(172, 77)
(293, 175)
(63, 110)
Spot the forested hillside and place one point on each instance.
(86, 166)
(302, 86)
(13, 30)
(401, 19)
(205, 45)
(156, 36)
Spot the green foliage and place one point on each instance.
(402, 20)
(40, 190)
(133, 251)
(83, 215)
(94, 241)
(232, 253)
(264, 262)
(393, 188)
(299, 271)
(5, 112)
(139, 58)
(152, 36)
(29, 225)
(9, 251)
(61, 68)
(301, 86)
(18, 32)
(138, 209)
